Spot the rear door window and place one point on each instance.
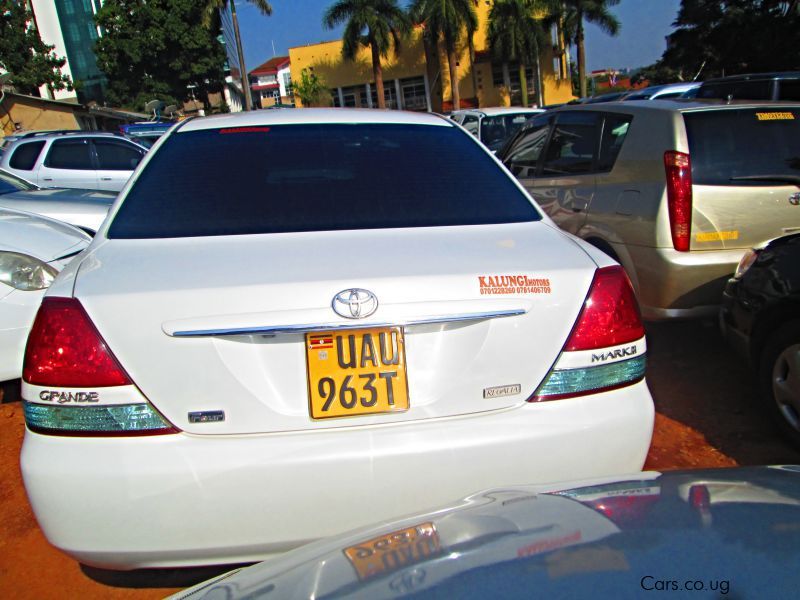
(289, 178)
(116, 156)
(471, 124)
(25, 156)
(69, 154)
(572, 148)
(728, 144)
(523, 155)
(615, 130)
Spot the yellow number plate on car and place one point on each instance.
(387, 553)
(356, 372)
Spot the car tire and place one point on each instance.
(779, 379)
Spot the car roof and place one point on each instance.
(750, 76)
(313, 116)
(677, 105)
(491, 111)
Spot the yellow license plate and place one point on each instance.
(356, 372)
(393, 551)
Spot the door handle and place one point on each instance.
(105, 179)
(47, 179)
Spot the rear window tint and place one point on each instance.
(25, 155)
(289, 178)
(726, 144)
(738, 90)
(789, 89)
(69, 154)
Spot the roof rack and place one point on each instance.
(30, 134)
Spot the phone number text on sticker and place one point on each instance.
(513, 284)
(775, 116)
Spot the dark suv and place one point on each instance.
(754, 86)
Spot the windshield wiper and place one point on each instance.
(793, 179)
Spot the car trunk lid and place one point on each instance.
(209, 324)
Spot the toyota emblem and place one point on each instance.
(354, 303)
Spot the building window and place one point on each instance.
(389, 95)
(513, 73)
(413, 91)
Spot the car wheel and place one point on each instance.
(779, 376)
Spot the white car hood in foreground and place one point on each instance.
(139, 293)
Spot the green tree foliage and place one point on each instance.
(572, 14)
(448, 21)
(515, 34)
(30, 62)
(155, 49)
(211, 10)
(728, 37)
(379, 25)
(212, 7)
(310, 89)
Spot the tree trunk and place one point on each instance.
(581, 55)
(523, 84)
(471, 41)
(377, 72)
(433, 68)
(539, 87)
(454, 92)
(507, 78)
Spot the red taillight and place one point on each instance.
(679, 197)
(610, 315)
(66, 350)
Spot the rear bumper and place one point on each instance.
(672, 284)
(180, 500)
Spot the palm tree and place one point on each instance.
(594, 11)
(210, 8)
(447, 20)
(515, 34)
(377, 24)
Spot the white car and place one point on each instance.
(494, 126)
(85, 209)
(33, 249)
(294, 323)
(91, 160)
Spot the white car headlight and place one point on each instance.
(24, 272)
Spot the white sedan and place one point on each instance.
(85, 209)
(33, 249)
(294, 323)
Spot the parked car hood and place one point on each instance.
(38, 236)
(728, 529)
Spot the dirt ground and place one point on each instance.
(706, 418)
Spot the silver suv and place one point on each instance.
(675, 191)
(73, 159)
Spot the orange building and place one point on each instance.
(411, 84)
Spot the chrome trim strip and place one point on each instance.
(311, 327)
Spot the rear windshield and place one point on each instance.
(289, 178)
(727, 144)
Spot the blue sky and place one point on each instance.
(299, 22)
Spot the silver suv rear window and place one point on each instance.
(288, 178)
(726, 145)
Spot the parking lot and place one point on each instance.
(706, 418)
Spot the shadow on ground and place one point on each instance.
(698, 380)
(156, 578)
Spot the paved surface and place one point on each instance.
(706, 418)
